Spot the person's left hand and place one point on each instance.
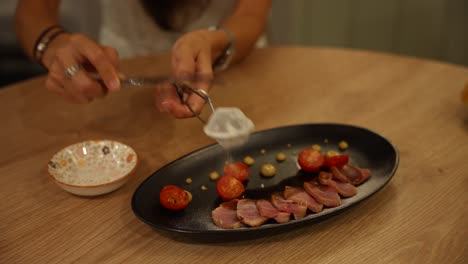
(191, 60)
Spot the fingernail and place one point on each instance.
(114, 84)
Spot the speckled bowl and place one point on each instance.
(93, 167)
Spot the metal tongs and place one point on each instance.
(182, 89)
(180, 86)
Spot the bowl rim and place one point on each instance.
(124, 177)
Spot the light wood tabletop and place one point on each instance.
(421, 216)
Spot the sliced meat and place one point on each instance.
(338, 175)
(325, 195)
(355, 175)
(288, 206)
(299, 196)
(283, 217)
(344, 189)
(248, 213)
(266, 209)
(365, 174)
(225, 215)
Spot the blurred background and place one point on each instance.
(433, 29)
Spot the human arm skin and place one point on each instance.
(194, 53)
(31, 18)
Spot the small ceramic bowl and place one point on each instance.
(93, 167)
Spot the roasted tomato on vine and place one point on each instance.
(229, 188)
(237, 170)
(311, 160)
(174, 198)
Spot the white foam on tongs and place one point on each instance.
(229, 127)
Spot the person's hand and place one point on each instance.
(191, 60)
(68, 59)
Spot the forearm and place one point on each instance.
(247, 23)
(31, 18)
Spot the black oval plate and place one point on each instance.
(366, 149)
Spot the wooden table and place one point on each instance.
(421, 216)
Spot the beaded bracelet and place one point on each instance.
(43, 33)
(42, 46)
(43, 41)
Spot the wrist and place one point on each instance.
(52, 47)
(218, 41)
(224, 53)
(44, 41)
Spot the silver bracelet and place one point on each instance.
(224, 60)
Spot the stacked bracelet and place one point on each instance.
(43, 41)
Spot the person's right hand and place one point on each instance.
(76, 50)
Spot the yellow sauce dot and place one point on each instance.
(331, 153)
(268, 170)
(214, 176)
(343, 145)
(317, 147)
(280, 157)
(189, 195)
(248, 160)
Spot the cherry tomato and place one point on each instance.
(311, 160)
(173, 197)
(237, 170)
(338, 160)
(229, 188)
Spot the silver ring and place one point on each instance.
(72, 70)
